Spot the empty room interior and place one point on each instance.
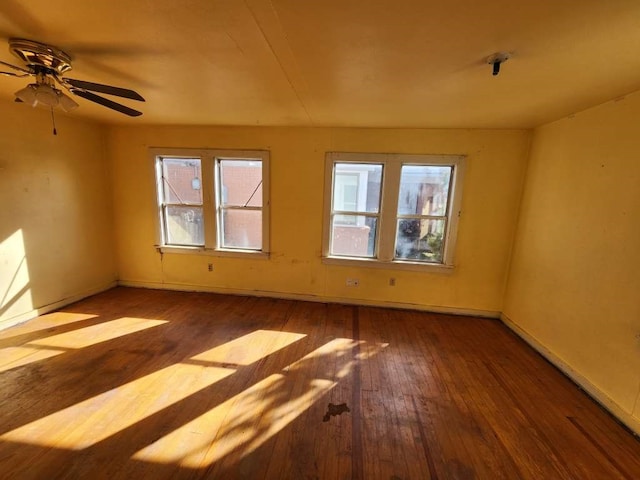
(320, 239)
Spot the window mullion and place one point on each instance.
(421, 217)
(388, 209)
(209, 201)
(239, 207)
(354, 213)
(266, 202)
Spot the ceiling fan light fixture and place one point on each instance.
(46, 95)
(65, 102)
(28, 94)
(41, 94)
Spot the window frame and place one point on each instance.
(210, 187)
(333, 212)
(222, 208)
(164, 205)
(385, 241)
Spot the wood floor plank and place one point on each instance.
(144, 384)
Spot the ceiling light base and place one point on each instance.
(498, 59)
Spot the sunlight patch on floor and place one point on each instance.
(44, 322)
(88, 422)
(93, 420)
(246, 421)
(48, 347)
(13, 357)
(102, 332)
(249, 348)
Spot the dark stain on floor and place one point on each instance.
(333, 410)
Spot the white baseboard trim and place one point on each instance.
(311, 298)
(26, 316)
(593, 391)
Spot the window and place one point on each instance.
(239, 203)
(384, 209)
(212, 200)
(181, 201)
(356, 209)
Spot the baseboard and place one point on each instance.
(593, 391)
(312, 298)
(26, 316)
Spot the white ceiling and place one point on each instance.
(365, 63)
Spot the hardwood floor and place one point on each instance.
(141, 384)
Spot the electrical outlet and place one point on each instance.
(353, 282)
(210, 267)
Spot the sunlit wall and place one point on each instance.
(56, 228)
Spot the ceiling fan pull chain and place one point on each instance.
(53, 121)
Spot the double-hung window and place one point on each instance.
(212, 200)
(180, 199)
(386, 209)
(239, 202)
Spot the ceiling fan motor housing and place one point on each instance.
(40, 56)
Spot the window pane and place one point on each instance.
(356, 187)
(242, 229)
(355, 238)
(241, 182)
(182, 181)
(184, 225)
(424, 190)
(420, 240)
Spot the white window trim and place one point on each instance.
(208, 157)
(385, 242)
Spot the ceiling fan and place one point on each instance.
(48, 64)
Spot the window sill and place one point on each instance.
(390, 265)
(213, 252)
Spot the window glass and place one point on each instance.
(424, 190)
(241, 182)
(181, 181)
(355, 239)
(356, 190)
(242, 229)
(356, 187)
(184, 225)
(422, 208)
(420, 240)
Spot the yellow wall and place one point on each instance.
(495, 167)
(573, 282)
(56, 217)
(574, 285)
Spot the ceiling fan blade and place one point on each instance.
(108, 89)
(92, 97)
(11, 74)
(15, 67)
